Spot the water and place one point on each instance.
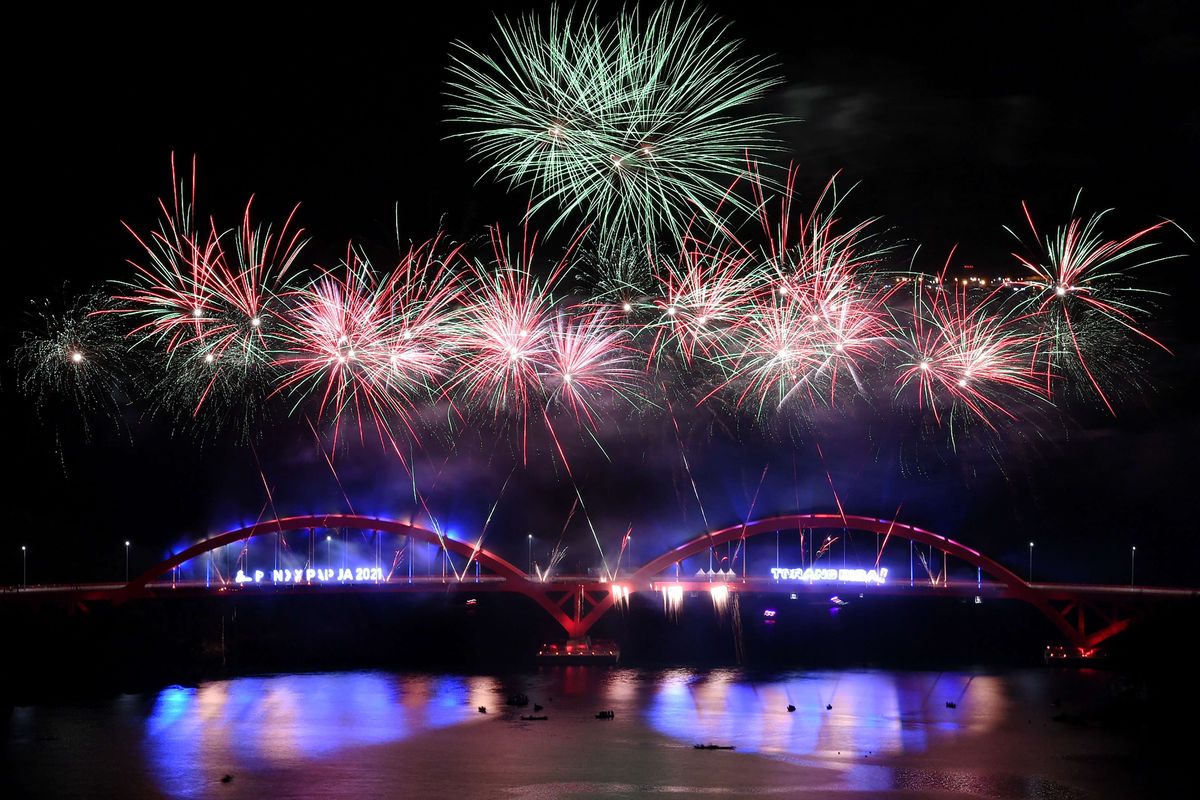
(376, 734)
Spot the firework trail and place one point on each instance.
(1081, 292)
(629, 123)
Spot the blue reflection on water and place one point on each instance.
(193, 734)
(872, 714)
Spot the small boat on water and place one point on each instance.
(713, 747)
(605, 715)
(580, 651)
(951, 704)
(791, 708)
(517, 699)
(483, 709)
(533, 718)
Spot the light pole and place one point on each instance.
(23, 573)
(1031, 562)
(530, 570)
(1132, 562)
(127, 561)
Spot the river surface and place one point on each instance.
(379, 734)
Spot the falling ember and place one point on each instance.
(720, 597)
(673, 600)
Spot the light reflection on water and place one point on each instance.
(880, 713)
(363, 734)
(280, 720)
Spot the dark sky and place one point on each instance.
(946, 121)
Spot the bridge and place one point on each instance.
(1085, 615)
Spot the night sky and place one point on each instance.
(945, 122)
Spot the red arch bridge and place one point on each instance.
(1085, 615)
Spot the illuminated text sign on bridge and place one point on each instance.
(310, 575)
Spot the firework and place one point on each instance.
(589, 357)
(628, 124)
(503, 336)
(814, 307)
(968, 358)
(167, 297)
(1085, 302)
(75, 357)
(209, 305)
(702, 297)
(368, 346)
(619, 274)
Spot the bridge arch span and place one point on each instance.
(514, 579)
(1019, 588)
(488, 559)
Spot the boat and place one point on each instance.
(517, 699)
(791, 708)
(533, 718)
(713, 747)
(1067, 656)
(605, 715)
(580, 651)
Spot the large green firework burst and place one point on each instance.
(629, 125)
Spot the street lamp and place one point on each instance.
(530, 570)
(23, 573)
(1132, 562)
(127, 561)
(1031, 562)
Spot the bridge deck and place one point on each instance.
(573, 583)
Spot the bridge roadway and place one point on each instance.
(591, 585)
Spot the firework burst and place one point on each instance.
(209, 305)
(503, 336)
(968, 359)
(620, 273)
(814, 306)
(75, 357)
(702, 297)
(630, 123)
(589, 358)
(367, 346)
(1082, 296)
